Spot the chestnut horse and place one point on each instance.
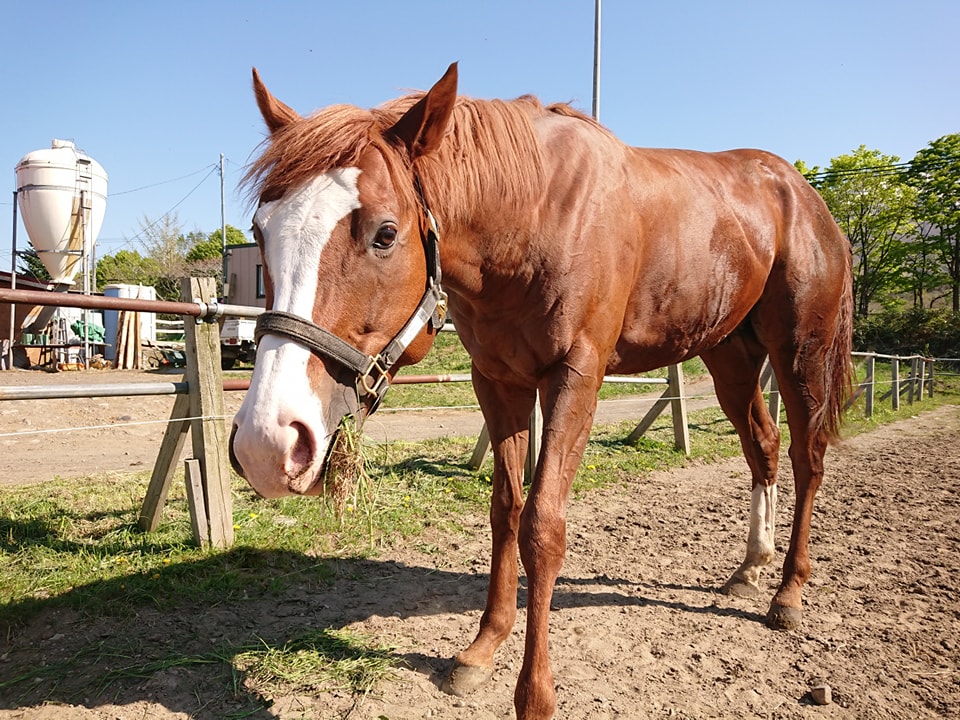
(567, 255)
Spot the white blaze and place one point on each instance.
(295, 230)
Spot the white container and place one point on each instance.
(148, 321)
(50, 186)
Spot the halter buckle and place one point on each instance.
(374, 385)
(440, 311)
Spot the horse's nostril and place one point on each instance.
(234, 462)
(302, 452)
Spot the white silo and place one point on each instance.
(62, 194)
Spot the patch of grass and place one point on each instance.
(318, 661)
(448, 357)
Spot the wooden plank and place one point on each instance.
(481, 448)
(118, 343)
(652, 414)
(131, 339)
(137, 341)
(678, 407)
(210, 438)
(171, 447)
(195, 499)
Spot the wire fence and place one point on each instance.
(883, 387)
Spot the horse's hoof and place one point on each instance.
(740, 588)
(464, 679)
(784, 618)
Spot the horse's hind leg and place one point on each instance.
(799, 382)
(735, 366)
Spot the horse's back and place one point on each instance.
(716, 235)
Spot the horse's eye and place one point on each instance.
(386, 237)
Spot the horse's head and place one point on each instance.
(351, 274)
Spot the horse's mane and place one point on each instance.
(491, 152)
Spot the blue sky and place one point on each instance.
(155, 91)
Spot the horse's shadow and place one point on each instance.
(55, 653)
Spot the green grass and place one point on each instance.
(447, 357)
(321, 660)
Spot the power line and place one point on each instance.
(212, 169)
(881, 170)
(162, 182)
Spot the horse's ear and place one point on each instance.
(275, 113)
(423, 126)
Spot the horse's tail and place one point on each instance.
(838, 361)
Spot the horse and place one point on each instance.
(566, 255)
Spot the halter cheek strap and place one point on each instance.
(372, 372)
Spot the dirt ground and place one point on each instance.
(638, 629)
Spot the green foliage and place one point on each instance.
(935, 176)
(211, 246)
(317, 661)
(31, 266)
(935, 333)
(874, 210)
(169, 255)
(902, 220)
(126, 266)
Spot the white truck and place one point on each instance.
(237, 342)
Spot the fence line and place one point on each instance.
(921, 375)
(45, 392)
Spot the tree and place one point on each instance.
(934, 175)
(166, 246)
(169, 256)
(31, 265)
(128, 267)
(211, 247)
(873, 206)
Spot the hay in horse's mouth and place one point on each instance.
(344, 467)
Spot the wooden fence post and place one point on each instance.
(912, 382)
(205, 380)
(871, 386)
(535, 434)
(676, 398)
(895, 382)
(201, 411)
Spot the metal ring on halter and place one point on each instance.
(364, 379)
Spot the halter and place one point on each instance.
(372, 371)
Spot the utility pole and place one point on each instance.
(596, 63)
(223, 230)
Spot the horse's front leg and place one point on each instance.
(569, 400)
(507, 412)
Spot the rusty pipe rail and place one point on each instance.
(207, 311)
